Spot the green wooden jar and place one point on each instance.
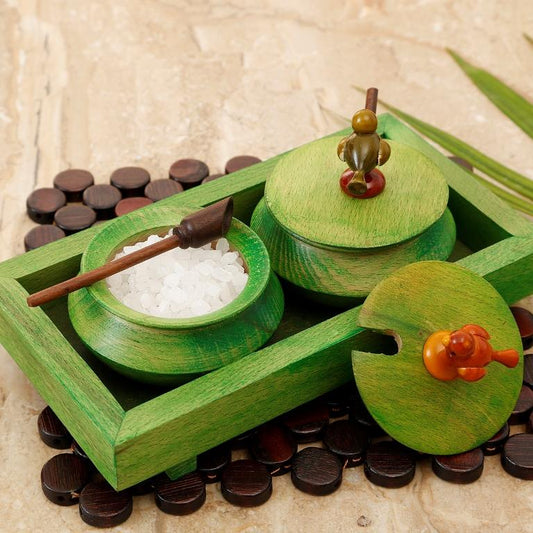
(336, 248)
(172, 351)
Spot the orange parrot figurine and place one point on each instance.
(463, 354)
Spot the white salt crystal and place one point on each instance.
(222, 245)
(180, 283)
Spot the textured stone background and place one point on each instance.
(103, 84)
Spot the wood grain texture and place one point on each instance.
(130, 447)
(72, 389)
(416, 409)
(304, 197)
(342, 272)
(160, 350)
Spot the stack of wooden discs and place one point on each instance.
(337, 248)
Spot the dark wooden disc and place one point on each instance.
(360, 415)
(188, 172)
(239, 162)
(274, 446)
(517, 455)
(159, 189)
(308, 422)
(103, 506)
(130, 181)
(316, 471)
(73, 218)
(524, 321)
(181, 496)
(528, 370)
(523, 406)
(242, 441)
(78, 450)
(338, 401)
(51, 430)
(461, 468)
(529, 424)
(462, 162)
(41, 235)
(73, 182)
(495, 444)
(63, 477)
(212, 463)
(42, 204)
(246, 483)
(348, 441)
(389, 464)
(103, 199)
(127, 205)
(212, 177)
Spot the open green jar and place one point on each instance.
(171, 350)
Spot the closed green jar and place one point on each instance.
(169, 351)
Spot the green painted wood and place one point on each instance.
(413, 407)
(172, 351)
(481, 217)
(304, 197)
(277, 378)
(218, 406)
(181, 469)
(507, 266)
(342, 272)
(84, 405)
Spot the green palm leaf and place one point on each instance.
(517, 108)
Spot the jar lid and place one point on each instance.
(304, 196)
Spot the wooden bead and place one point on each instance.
(63, 477)
(246, 483)
(130, 181)
(159, 189)
(348, 441)
(316, 471)
(274, 446)
(182, 496)
(103, 199)
(308, 422)
(188, 172)
(41, 235)
(102, 506)
(360, 415)
(52, 431)
(73, 182)
(523, 406)
(495, 444)
(42, 204)
(461, 468)
(461, 162)
(389, 464)
(212, 463)
(239, 162)
(212, 177)
(127, 205)
(517, 456)
(242, 441)
(338, 401)
(528, 369)
(74, 218)
(78, 450)
(524, 321)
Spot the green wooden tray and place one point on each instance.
(132, 432)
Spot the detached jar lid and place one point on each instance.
(304, 197)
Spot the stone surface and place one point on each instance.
(104, 84)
